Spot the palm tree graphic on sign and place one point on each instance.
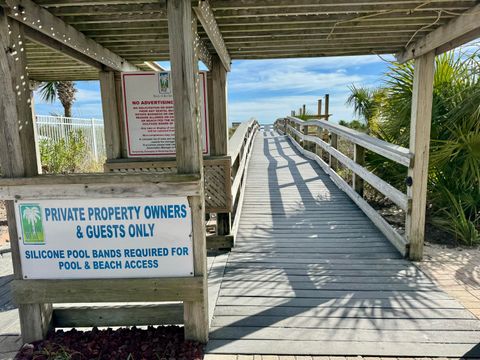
(32, 224)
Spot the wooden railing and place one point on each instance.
(240, 148)
(325, 139)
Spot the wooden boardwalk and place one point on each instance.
(310, 274)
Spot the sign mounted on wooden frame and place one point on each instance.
(149, 114)
(105, 238)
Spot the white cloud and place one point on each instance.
(301, 80)
(87, 96)
(268, 89)
(267, 110)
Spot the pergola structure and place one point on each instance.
(89, 39)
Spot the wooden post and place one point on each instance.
(18, 158)
(319, 134)
(31, 87)
(327, 106)
(188, 148)
(304, 109)
(334, 143)
(219, 139)
(111, 117)
(319, 111)
(305, 144)
(421, 119)
(359, 158)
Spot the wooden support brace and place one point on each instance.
(421, 119)
(41, 20)
(207, 19)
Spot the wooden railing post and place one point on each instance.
(184, 72)
(319, 134)
(359, 158)
(305, 144)
(421, 119)
(219, 127)
(334, 143)
(18, 158)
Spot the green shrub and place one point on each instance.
(454, 171)
(70, 155)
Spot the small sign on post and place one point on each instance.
(149, 114)
(105, 238)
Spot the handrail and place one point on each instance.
(240, 150)
(385, 188)
(237, 140)
(393, 152)
(362, 141)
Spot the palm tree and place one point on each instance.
(366, 103)
(454, 169)
(63, 90)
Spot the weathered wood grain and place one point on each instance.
(108, 290)
(421, 119)
(310, 274)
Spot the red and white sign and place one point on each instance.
(149, 114)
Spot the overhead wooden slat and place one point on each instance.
(56, 3)
(41, 20)
(155, 7)
(465, 27)
(123, 18)
(137, 30)
(322, 9)
(285, 4)
(428, 16)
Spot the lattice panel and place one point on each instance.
(218, 181)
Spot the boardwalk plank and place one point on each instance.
(311, 275)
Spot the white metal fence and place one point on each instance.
(56, 128)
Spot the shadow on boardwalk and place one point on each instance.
(310, 274)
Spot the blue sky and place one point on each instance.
(267, 89)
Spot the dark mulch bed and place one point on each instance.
(121, 344)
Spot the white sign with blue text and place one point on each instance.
(105, 238)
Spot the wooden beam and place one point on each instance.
(465, 27)
(108, 185)
(18, 157)
(107, 290)
(39, 19)
(53, 44)
(120, 315)
(207, 19)
(184, 64)
(111, 117)
(219, 131)
(421, 120)
(219, 141)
